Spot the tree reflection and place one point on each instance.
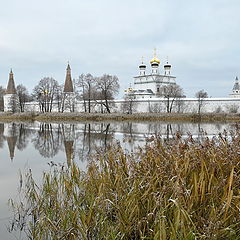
(47, 142)
(93, 137)
(1, 135)
(23, 137)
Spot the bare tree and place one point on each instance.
(47, 142)
(171, 93)
(23, 96)
(233, 108)
(45, 93)
(2, 91)
(108, 86)
(129, 105)
(200, 95)
(81, 84)
(87, 84)
(14, 103)
(59, 97)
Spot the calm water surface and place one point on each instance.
(36, 145)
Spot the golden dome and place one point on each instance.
(156, 60)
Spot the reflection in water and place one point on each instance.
(1, 135)
(81, 140)
(36, 144)
(47, 142)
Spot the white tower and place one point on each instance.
(167, 69)
(11, 100)
(236, 89)
(142, 68)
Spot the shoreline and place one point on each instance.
(139, 117)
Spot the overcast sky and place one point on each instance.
(201, 39)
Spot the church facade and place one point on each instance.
(148, 84)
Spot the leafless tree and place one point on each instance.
(2, 91)
(23, 96)
(59, 96)
(130, 104)
(87, 84)
(218, 109)
(201, 95)
(108, 86)
(1, 135)
(180, 105)
(47, 142)
(171, 93)
(14, 103)
(81, 84)
(45, 93)
(233, 108)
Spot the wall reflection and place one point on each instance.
(80, 141)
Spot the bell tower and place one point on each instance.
(11, 100)
(68, 92)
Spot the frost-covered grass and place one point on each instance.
(183, 189)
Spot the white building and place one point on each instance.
(148, 84)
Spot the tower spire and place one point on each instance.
(68, 86)
(11, 84)
(11, 145)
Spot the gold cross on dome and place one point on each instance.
(155, 52)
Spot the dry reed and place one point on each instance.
(183, 189)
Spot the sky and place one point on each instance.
(200, 38)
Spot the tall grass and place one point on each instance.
(184, 189)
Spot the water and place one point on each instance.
(38, 145)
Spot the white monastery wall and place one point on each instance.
(185, 105)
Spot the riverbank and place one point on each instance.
(182, 117)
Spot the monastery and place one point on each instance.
(145, 94)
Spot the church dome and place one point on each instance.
(155, 60)
(142, 66)
(167, 65)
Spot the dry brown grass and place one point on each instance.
(55, 116)
(183, 189)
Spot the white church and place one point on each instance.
(148, 84)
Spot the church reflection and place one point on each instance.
(10, 133)
(68, 131)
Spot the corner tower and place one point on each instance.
(68, 92)
(236, 89)
(11, 100)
